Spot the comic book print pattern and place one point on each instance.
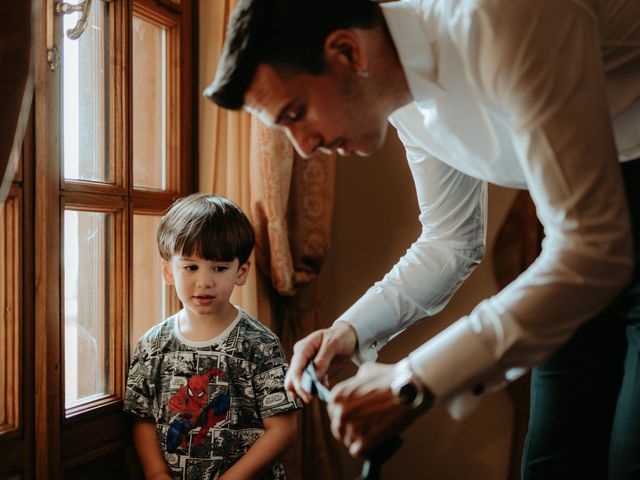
(208, 402)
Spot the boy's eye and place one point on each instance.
(191, 268)
(220, 268)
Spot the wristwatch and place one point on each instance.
(408, 390)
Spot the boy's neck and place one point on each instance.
(198, 328)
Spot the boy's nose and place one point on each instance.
(204, 281)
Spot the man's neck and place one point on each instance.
(390, 73)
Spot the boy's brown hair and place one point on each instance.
(208, 226)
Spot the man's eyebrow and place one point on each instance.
(280, 117)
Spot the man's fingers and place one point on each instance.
(323, 359)
(290, 385)
(338, 343)
(294, 383)
(363, 410)
(321, 347)
(303, 352)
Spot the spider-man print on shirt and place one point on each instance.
(192, 404)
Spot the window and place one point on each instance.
(89, 243)
(113, 149)
(156, 153)
(92, 201)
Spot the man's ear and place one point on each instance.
(167, 272)
(243, 273)
(343, 47)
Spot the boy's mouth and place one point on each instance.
(202, 299)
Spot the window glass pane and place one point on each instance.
(86, 305)
(10, 306)
(149, 105)
(149, 292)
(85, 90)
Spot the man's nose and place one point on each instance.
(304, 143)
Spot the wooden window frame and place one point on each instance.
(66, 440)
(11, 300)
(171, 22)
(118, 130)
(16, 436)
(118, 287)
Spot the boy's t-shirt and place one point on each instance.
(208, 399)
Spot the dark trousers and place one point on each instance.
(585, 400)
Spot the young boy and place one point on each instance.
(207, 384)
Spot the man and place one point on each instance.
(536, 94)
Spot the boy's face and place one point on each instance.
(204, 287)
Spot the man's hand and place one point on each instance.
(329, 349)
(364, 412)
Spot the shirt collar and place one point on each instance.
(413, 38)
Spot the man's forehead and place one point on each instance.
(266, 95)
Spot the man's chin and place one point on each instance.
(369, 150)
(364, 154)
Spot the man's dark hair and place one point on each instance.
(286, 34)
(210, 227)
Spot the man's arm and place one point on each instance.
(146, 442)
(451, 244)
(540, 62)
(279, 433)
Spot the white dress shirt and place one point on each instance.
(537, 94)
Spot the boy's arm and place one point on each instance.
(279, 433)
(153, 464)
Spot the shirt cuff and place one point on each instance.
(453, 362)
(371, 316)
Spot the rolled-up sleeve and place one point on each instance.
(540, 62)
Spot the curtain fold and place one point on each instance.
(292, 208)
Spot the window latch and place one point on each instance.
(63, 8)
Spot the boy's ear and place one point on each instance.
(243, 273)
(167, 272)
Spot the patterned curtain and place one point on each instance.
(292, 202)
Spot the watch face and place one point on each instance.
(408, 393)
